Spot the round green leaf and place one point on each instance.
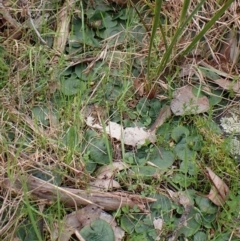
(40, 113)
(194, 142)
(79, 71)
(200, 236)
(183, 152)
(127, 224)
(108, 22)
(163, 203)
(161, 158)
(179, 132)
(182, 180)
(208, 220)
(99, 230)
(205, 205)
(26, 231)
(215, 98)
(72, 86)
(192, 225)
(189, 167)
(98, 151)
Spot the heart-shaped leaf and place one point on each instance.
(161, 158)
(98, 230)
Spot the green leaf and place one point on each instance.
(109, 32)
(163, 203)
(72, 86)
(99, 230)
(205, 205)
(197, 91)
(127, 224)
(192, 225)
(102, 6)
(200, 236)
(215, 98)
(83, 36)
(98, 151)
(79, 68)
(161, 158)
(208, 220)
(70, 139)
(194, 142)
(179, 132)
(53, 177)
(208, 73)
(141, 227)
(26, 232)
(182, 180)
(189, 167)
(108, 22)
(144, 171)
(138, 32)
(90, 166)
(40, 113)
(183, 152)
(138, 237)
(92, 75)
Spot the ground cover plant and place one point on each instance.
(119, 120)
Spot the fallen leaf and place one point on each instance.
(158, 223)
(163, 115)
(134, 136)
(219, 191)
(131, 136)
(228, 85)
(104, 184)
(107, 172)
(88, 214)
(186, 103)
(138, 86)
(187, 70)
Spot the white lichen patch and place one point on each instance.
(235, 146)
(230, 125)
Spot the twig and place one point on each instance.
(71, 197)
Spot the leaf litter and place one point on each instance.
(219, 191)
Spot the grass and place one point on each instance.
(47, 91)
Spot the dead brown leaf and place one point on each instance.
(186, 103)
(228, 85)
(107, 172)
(219, 191)
(101, 184)
(139, 86)
(163, 115)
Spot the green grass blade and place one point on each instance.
(207, 26)
(155, 25)
(176, 37)
(184, 11)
